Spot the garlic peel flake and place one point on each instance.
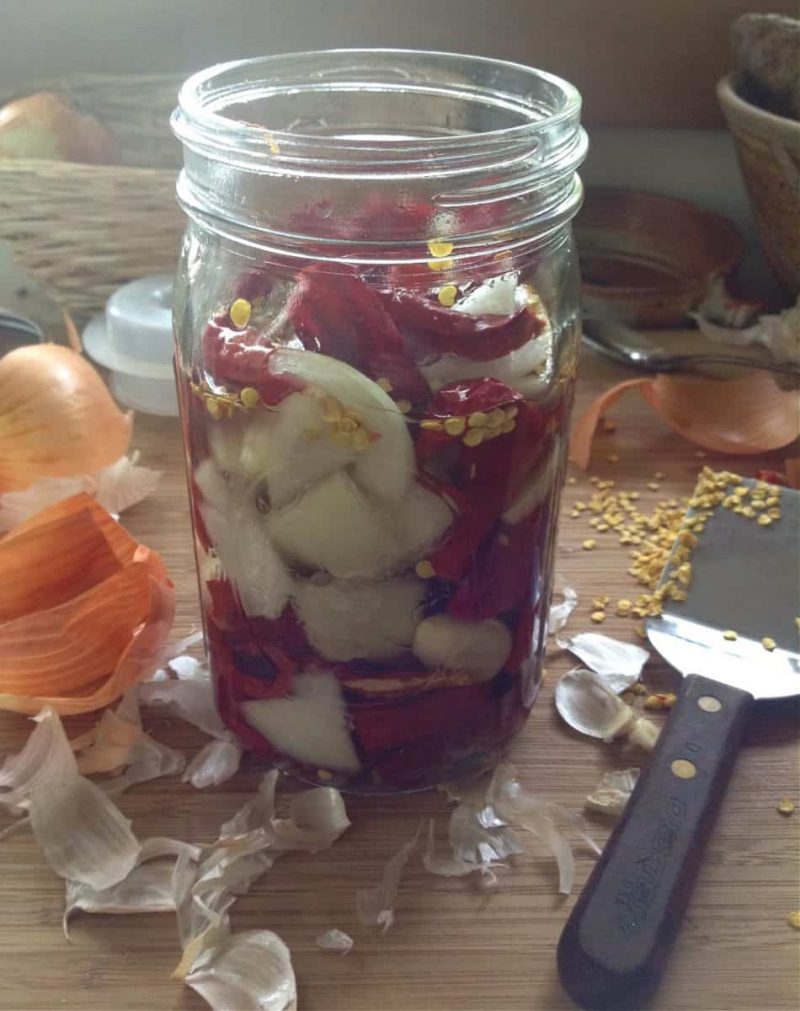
(618, 663)
(47, 755)
(375, 905)
(249, 971)
(559, 612)
(612, 792)
(81, 832)
(586, 703)
(335, 940)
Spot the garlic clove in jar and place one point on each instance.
(335, 526)
(384, 465)
(235, 524)
(292, 447)
(308, 725)
(374, 620)
(478, 648)
(420, 519)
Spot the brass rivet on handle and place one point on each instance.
(709, 704)
(683, 768)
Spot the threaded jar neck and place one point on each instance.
(358, 151)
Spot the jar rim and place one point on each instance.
(201, 125)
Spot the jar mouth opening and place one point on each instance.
(305, 112)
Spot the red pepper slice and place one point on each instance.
(772, 477)
(252, 285)
(437, 330)
(235, 358)
(505, 569)
(382, 728)
(460, 399)
(342, 316)
(483, 477)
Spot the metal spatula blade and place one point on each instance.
(745, 579)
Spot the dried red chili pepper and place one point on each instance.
(252, 285)
(436, 330)
(235, 358)
(341, 316)
(504, 569)
(772, 477)
(485, 476)
(382, 728)
(460, 399)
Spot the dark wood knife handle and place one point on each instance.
(617, 940)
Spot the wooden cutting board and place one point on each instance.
(454, 947)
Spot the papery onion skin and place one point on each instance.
(745, 415)
(57, 417)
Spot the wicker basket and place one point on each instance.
(768, 148)
(82, 230)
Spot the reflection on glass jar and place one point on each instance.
(376, 325)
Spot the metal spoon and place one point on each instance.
(635, 348)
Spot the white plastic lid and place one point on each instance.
(134, 340)
(139, 321)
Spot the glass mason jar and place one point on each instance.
(377, 328)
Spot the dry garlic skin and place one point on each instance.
(375, 404)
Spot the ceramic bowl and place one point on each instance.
(648, 260)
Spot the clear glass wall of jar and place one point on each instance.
(377, 328)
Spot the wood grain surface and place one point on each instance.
(454, 947)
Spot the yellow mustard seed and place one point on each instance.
(424, 569)
(598, 617)
(455, 426)
(572, 480)
(730, 635)
(599, 603)
(603, 527)
(653, 702)
(447, 295)
(512, 412)
(360, 439)
(496, 418)
(639, 689)
(240, 312)
(431, 425)
(385, 384)
(653, 485)
(440, 247)
(786, 806)
(403, 406)
(793, 919)
(445, 263)
(477, 419)
(250, 397)
(768, 643)
(623, 608)
(214, 407)
(575, 514)
(508, 426)
(764, 520)
(641, 631)
(473, 437)
(589, 544)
